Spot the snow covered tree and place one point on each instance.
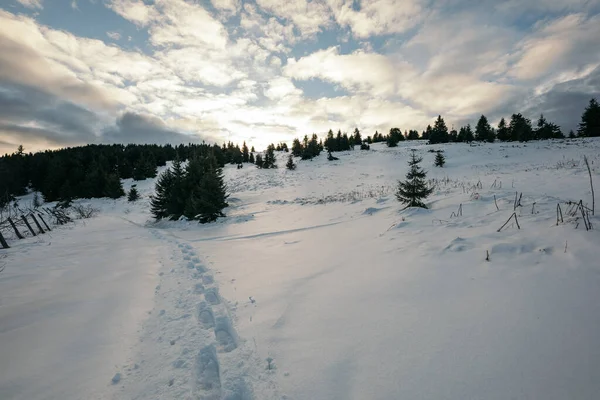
(290, 163)
(440, 160)
(414, 189)
(133, 194)
(590, 120)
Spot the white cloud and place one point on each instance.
(309, 17)
(377, 17)
(114, 35)
(135, 11)
(31, 3)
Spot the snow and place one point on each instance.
(318, 285)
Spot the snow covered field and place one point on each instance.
(321, 270)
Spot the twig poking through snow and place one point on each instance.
(513, 215)
(587, 164)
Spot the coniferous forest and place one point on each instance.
(96, 170)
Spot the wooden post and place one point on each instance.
(42, 218)
(15, 229)
(37, 223)
(3, 242)
(28, 226)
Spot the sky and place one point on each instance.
(74, 72)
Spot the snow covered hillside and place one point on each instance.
(320, 271)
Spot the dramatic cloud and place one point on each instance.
(266, 70)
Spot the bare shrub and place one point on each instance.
(84, 211)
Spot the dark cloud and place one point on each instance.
(28, 115)
(140, 128)
(565, 102)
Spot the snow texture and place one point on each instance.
(321, 271)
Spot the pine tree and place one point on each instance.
(159, 201)
(297, 148)
(133, 194)
(590, 120)
(178, 192)
(394, 137)
(572, 134)
(520, 128)
(483, 130)
(414, 189)
(259, 161)
(207, 198)
(440, 160)
(114, 187)
(290, 163)
(503, 133)
(439, 133)
(245, 153)
(357, 136)
(269, 159)
(251, 158)
(252, 150)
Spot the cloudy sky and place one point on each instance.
(104, 71)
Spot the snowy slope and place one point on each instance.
(321, 270)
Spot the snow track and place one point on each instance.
(189, 346)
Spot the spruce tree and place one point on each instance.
(159, 201)
(133, 194)
(269, 159)
(520, 128)
(259, 161)
(483, 130)
(114, 187)
(394, 137)
(503, 133)
(251, 158)
(414, 189)
(290, 163)
(357, 136)
(207, 201)
(439, 133)
(440, 160)
(590, 120)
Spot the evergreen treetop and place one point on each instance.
(414, 190)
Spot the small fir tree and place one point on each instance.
(133, 194)
(414, 189)
(290, 163)
(440, 160)
(251, 158)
